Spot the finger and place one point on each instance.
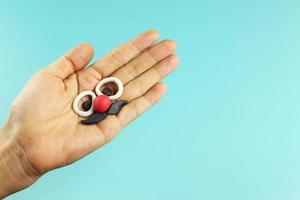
(144, 82)
(124, 53)
(72, 61)
(144, 61)
(138, 106)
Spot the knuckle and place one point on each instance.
(118, 56)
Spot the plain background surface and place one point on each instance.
(228, 127)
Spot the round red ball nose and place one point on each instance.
(102, 103)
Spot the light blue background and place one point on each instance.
(228, 127)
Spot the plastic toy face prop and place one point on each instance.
(101, 104)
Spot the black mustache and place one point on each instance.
(115, 108)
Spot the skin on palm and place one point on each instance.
(42, 122)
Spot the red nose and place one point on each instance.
(102, 103)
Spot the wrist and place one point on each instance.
(16, 172)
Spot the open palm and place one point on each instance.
(49, 131)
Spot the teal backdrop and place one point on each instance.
(228, 127)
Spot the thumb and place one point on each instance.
(72, 61)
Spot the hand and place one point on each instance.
(45, 129)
